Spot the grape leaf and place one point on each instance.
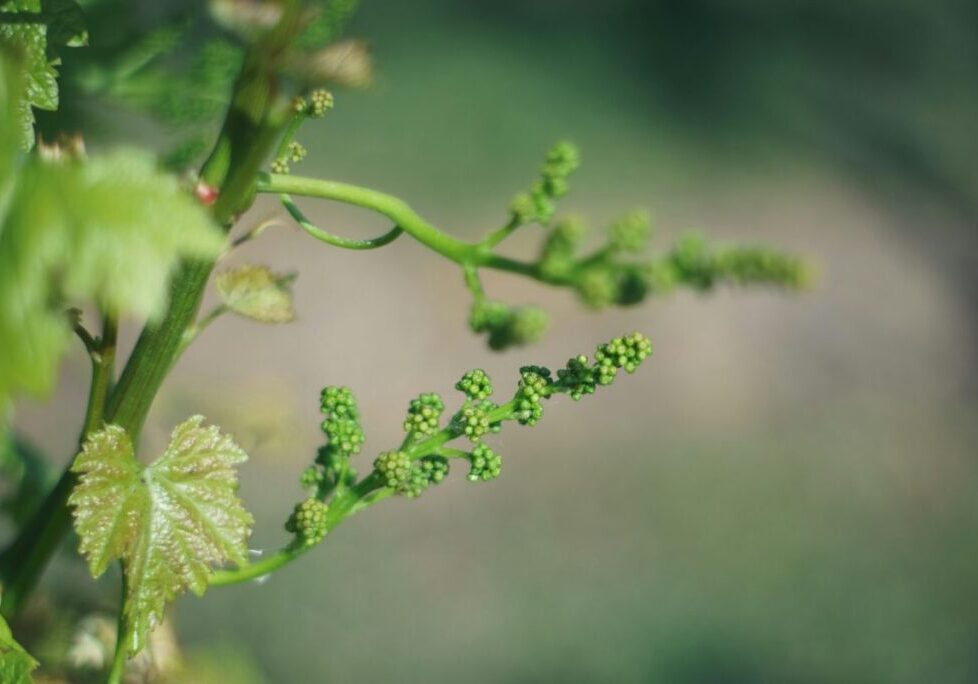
(257, 293)
(66, 23)
(170, 522)
(58, 22)
(107, 230)
(16, 664)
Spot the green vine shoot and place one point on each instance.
(91, 242)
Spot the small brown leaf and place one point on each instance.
(257, 293)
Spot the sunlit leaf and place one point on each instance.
(170, 522)
(16, 664)
(108, 230)
(257, 293)
(58, 22)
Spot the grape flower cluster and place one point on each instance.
(423, 459)
(538, 205)
(617, 271)
(308, 522)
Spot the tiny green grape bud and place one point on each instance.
(485, 464)
(424, 414)
(489, 315)
(475, 384)
(522, 208)
(577, 378)
(344, 434)
(555, 185)
(296, 152)
(434, 468)
(405, 477)
(339, 402)
(321, 102)
(605, 371)
(308, 522)
(394, 467)
(564, 157)
(748, 265)
(624, 352)
(535, 386)
(631, 232)
(508, 326)
(597, 287)
(280, 165)
(693, 263)
(560, 247)
(538, 205)
(311, 477)
(541, 371)
(543, 206)
(473, 420)
(634, 284)
(660, 275)
(529, 324)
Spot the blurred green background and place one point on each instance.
(786, 493)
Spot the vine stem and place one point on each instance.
(463, 253)
(194, 331)
(22, 563)
(119, 656)
(313, 230)
(365, 493)
(252, 234)
(251, 127)
(497, 236)
(336, 240)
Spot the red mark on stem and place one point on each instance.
(206, 194)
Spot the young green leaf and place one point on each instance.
(58, 22)
(170, 522)
(66, 23)
(16, 664)
(108, 230)
(257, 293)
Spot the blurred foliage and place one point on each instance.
(24, 477)
(175, 62)
(112, 214)
(15, 663)
(35, 31)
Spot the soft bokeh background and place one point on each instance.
(787, 492)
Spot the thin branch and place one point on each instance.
(500, 234)
(23, 561)
(253, 234)
(365, 493)
(463, 253)
(91, 345)
(119, 657)
(197, 328)
(336, 240)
